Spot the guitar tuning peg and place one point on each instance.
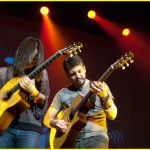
(123, 67)
(71, 55)
(127, 64)
(75, 53)
(80, 50)
(131, 61)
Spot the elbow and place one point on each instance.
(112, 117)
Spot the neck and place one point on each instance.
(85, 84)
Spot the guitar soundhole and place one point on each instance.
(7, 95)
(14, 111)
(58, 134)
(71, 115)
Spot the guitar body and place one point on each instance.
(67, 139)
(14, 105)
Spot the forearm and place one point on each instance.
(110, 109)
(47, 120)
(50, 117)
(53, 121)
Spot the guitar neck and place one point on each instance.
(35, 72)
(43, 65)
(106, 74)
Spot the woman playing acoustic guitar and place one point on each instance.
(20, 121)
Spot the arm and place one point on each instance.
(29, 85)
(103, 92)
(41, 94)
(51, 120)
(50, 116)
(110, 109)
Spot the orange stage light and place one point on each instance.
(44, 10)
(91, 14)
(125, 32)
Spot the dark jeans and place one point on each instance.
(93, 142)
(14, 138)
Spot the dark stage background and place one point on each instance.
(130, 87)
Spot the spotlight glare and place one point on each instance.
(9, 60)
(91, 14)
(125, 32)
(44, 10)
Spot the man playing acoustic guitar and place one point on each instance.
(85, 105)
(28, 104)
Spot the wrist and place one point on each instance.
(104, 99)
(108, 103)
(35, 93)
(52, 123)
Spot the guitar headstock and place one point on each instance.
(124, 61)
(72, 49)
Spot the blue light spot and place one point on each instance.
(9, 60)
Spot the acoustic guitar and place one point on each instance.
(13, 101)
(75, 115)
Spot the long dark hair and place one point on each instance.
(24, 56)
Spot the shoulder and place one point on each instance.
(6, 73)
(44, 75)
(66, 93)
(63, 91)
(3, 70)
(44, 72)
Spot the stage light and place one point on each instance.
(44, 10)
(91, 14)
(125, 32)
